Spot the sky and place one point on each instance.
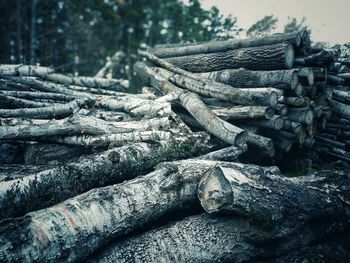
(329, 20)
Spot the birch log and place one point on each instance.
(193, 104)
(244, 112)
(76, 228)
(18, 197)
(59, 110)
(208, 238)
(302, 200)
(243, 78)
(25, 70)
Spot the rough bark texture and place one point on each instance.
(220, 46)
(279, 56)
(194, 105)
(60, 110)
(208, 238)
(115, 165)
(243, 78)
(275, 199)
(76, 228)
(244, 112)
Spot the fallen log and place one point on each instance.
(302, 200)
(278, 56)
(341, 109)
(26, 70)
(220, 46)
(302, 115)
(244, 112)
(243, 78)
(251, 96)
(208, 238)
(59, 110)
(18, 197)
(276, 122)
(88, 221)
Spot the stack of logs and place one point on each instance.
(92, 173)
(276, 88)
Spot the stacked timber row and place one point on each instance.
(333, 138)
(271, 87)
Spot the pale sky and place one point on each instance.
(329, 20)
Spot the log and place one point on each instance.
(107, 139)
(282, 109)
(18, 197)
(77, 124)
(17, 171)
(38, 95)
(91, 82)
(12, 102)
(220, 46)
(192, 103)
(303, 115)
(319, 59)
(59, 110)
(209, 238)
(244, 112)
(276, 122)
(308, 75)
(230, 153)
(243, 78)
(110, 64)
(88, 221)
(282, 144)
(50, 153)
(295, 127)
(278, 56)
(296, 101)
(302, 200)
(251, 96)
(341, 109)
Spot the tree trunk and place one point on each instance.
(253, 96)
(88, 221)
(243, 78)
(50, 153)
(297, 200)
(221, 46)
(244, 112)
(115, 165)
(91, 82)
(276, 122)
(59, 110)
(209, 238)
(278, 56)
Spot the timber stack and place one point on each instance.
(92, 173)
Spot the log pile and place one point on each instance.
(92, 173)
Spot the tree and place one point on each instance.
(293, 25)
(262, 27)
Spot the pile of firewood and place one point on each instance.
(91, 172)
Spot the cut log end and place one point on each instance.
(214, 190)
(240, 138)
(269, 112)
(273, 99)
(298, 90)
(309, 117)
(289, 56)
(295, 80)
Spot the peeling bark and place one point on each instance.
(115, 165)
(76, 228)
(193, 104)
(275, 199)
